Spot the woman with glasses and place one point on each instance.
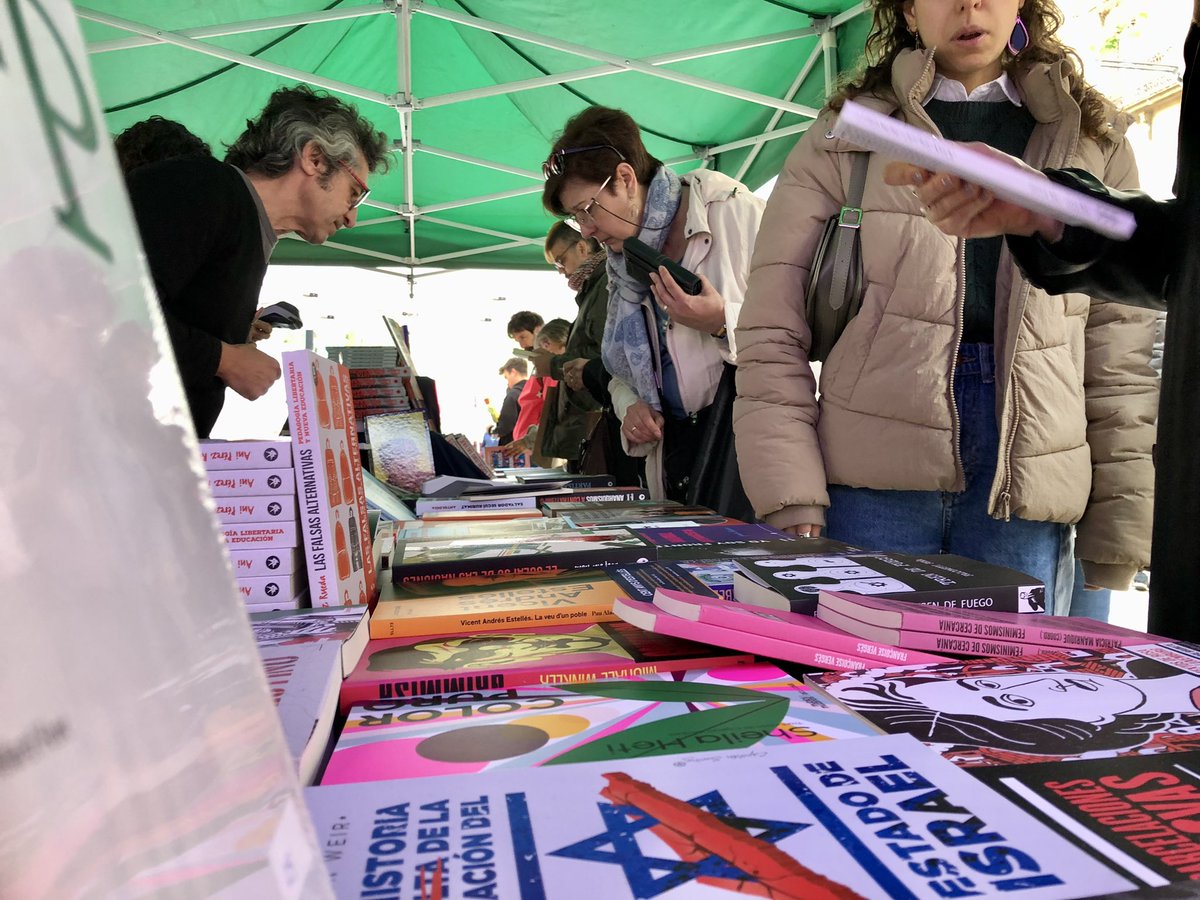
(666, 350)
(962, 410)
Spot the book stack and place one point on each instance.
(329, 482)
(253, 485)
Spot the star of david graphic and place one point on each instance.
(618, 845)
(274, 481)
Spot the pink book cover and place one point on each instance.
(252, 482)
(699, 711)
(979, 625)
(649, 618)
(233, 510)
(252, 535)
(439, 664)
(245, 454)
(360, 491)
(252, 563)
(786, 626)
(324, 461)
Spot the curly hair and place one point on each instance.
(294, 116)
(890, 35)
(609, 135)
(155, 139)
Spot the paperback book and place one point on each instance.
(563, 654)
(425, 532)
(793, 627)
(222, 455)
(1138, 814)
(460, 584)
(345, 626)
(587, 597)
(426, 505)
(480, 515)
(260, 588)
(793, 582)
(258, 535)
(651, 618)
(423, 562)
(252, 482)
(622, 502)
(704, 710)
(856, 818)
(333, 509)
(304, 681)
(252, 563)
(967, 632)
(1056, 705)
(271, 508)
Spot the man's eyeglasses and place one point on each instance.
(362, 186)
(554, 165)
(558, 260)
(583, 215)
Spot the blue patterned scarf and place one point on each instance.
(627, 351)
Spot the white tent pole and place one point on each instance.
(661, 59)
(829, 46)
(476, 161)
(613, 60)
(755, 140)
(478, 229)
(843, 17)
(778, 114)
(459, 254)
(361, 251)
(208, 31)
(243, 59)
(485, 198)
(404, 106)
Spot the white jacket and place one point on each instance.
(720, 228)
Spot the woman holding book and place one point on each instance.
(962, 410)
(665, 349)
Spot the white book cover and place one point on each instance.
(238, 510)
(251, 563)
(304, 680)
(219, 455)
(271, 588)
(251, 535)
(252, 482)
(329, 488)
(874, 817)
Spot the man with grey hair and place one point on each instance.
(209, 227)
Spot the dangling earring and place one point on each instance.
(1019, 39)
(916, 38)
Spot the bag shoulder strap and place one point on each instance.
(850, 217)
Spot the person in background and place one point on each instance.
(586, 432)
(961, 410)
(666, 350)
(551, 341)
(1158, 267)
(523, 328)
(155, 139)
(208, 229)
(515, 373)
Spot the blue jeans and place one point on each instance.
(922, 522)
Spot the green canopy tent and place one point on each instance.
(472, 93)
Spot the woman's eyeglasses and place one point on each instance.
(583, 215)
(554, 165)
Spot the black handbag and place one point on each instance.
(836, 284)
(715, 480)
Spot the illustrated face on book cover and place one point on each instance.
(1111, 703)
(485, 651)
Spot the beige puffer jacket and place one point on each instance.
(1076, 397)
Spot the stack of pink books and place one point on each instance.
(967, 632)
(253, 486)
(791, 637)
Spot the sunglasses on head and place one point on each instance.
(554, 165)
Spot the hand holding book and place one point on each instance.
(964, 209)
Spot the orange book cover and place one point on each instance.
(587, 597)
